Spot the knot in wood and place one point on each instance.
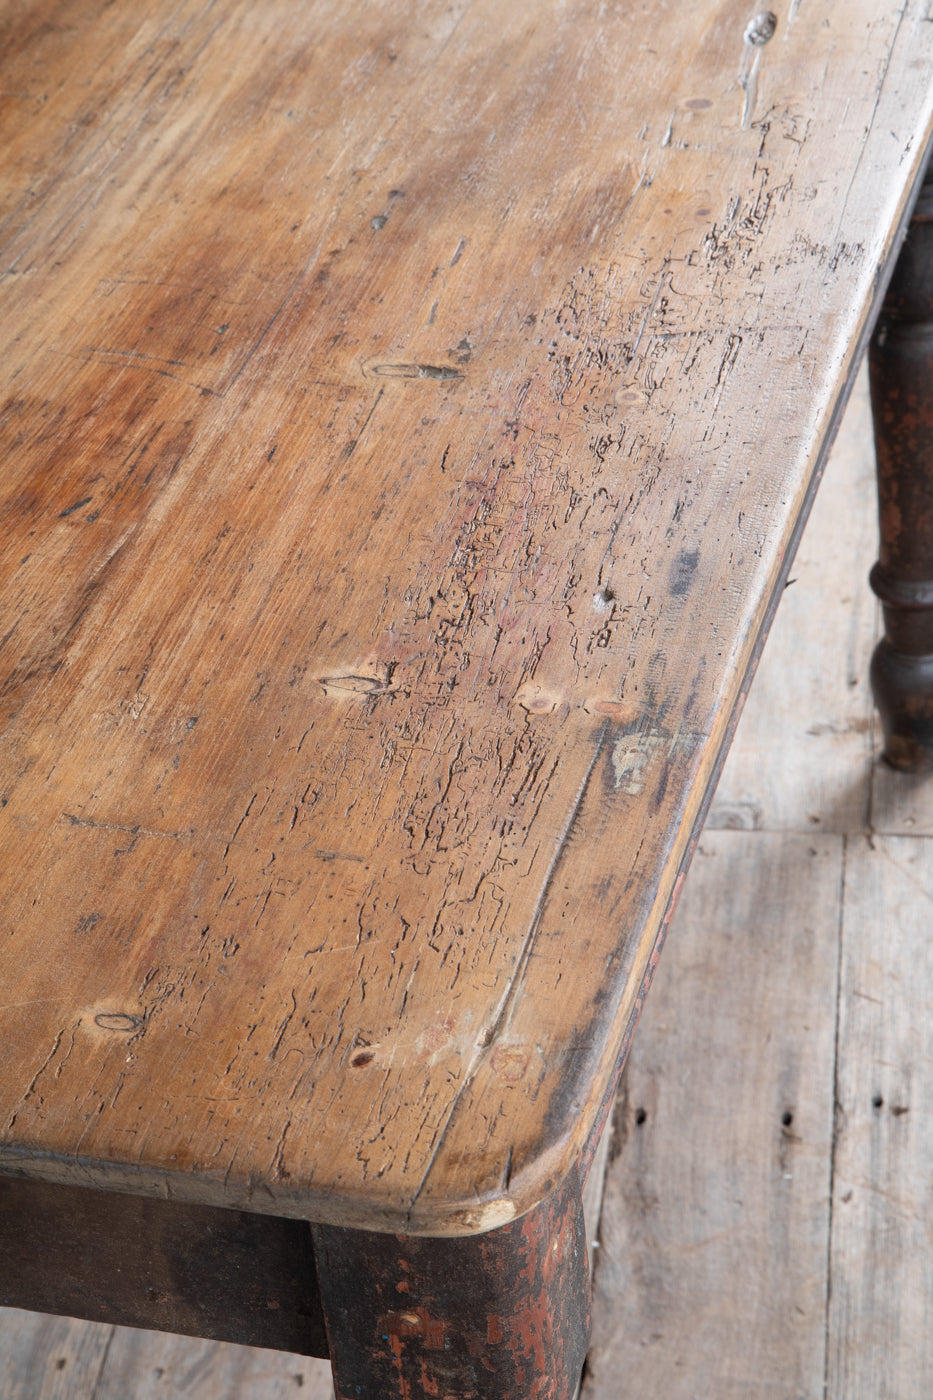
(761, 28)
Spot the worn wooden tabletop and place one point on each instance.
(407, 409)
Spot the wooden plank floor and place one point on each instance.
(764, 1229)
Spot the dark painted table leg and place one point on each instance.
(901, 371)
(499, 1316)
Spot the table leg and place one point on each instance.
(901, 373)
(498, 1316)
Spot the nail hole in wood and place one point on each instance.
(787, 1118)
(641, 1116)
(877, 1101)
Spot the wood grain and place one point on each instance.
(881, 1269)
(901, 803)
(153, 1366)
(503, 1314)
(51, 1358)
(408, 412)
(714, 1240)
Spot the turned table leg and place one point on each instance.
(498, 1316)
(901, 373)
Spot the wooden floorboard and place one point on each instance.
(712, 1267)
(151, 1366)
(881, 1343)
(51, 1358)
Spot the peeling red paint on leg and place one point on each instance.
(499, 1316)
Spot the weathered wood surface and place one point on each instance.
(108, 1364)
(48, 1358)
(407, 409)
(711, 1277)
(53, 1358)
(882, 1272)
(503, 1314)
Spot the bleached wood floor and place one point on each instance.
(766, 1228)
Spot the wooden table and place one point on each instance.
(410, 412)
